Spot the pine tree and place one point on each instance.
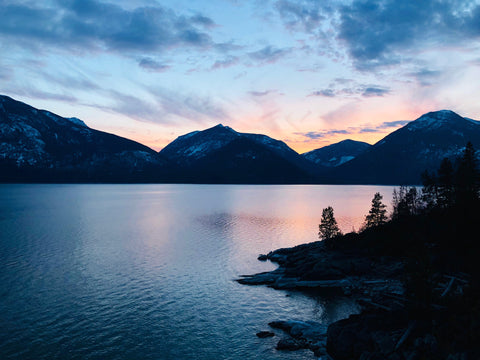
(467, 184)
(430, 190)
(406, 202)
(328, 227)
(445, 184)
(377, 214)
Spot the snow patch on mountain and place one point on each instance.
(433, 120)
(268, 141)
(77, 121)
(199, 150)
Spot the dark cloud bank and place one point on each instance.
(92, 24)
(382, 32)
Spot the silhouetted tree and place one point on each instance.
(466, 179)
(453, 185)
(429, 190)
(328, 227)
(377, 214)
(406, 202)
(445, 184)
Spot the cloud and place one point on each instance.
(94, 24)
(381, 33)
(153, 65)
(375, 92)
(264, 93)
(133, 107)
(227, 62)
(314, 135)
(386, 125)
(202, 20)
(306, 15)
(378, 32)
(355, 90)
(162, 106)
(351, 130)
(6, 73)
(324, 92)
(36, 93)
(425, 77)
(189, 106)
(393, 124)
(269, 54)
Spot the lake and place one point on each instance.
(147, 271)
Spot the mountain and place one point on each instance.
(37, 145)
(337, 154)
(221, 154)
(402, 156)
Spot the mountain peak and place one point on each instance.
(222, 127)
(337, 154)
(441, 114)
(435, 120)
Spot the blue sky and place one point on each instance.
(308, 72)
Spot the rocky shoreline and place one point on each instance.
(383, 330)
(369, 279)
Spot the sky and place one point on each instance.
(308, 72)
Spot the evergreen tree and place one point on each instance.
(399, 203)
(413, 201)
(429, 190)
(406, 202)
(445, 184)
(377, 214)
(328, 227)
(466, 179)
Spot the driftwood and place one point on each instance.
(405, 335)
(449, 286)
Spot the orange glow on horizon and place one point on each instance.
(361, 125)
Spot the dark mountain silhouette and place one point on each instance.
(221, 154)
(402, 156)
(337, 154)
(37, 145)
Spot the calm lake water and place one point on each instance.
(146, 271)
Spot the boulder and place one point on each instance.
(289, 345)
(265, 334)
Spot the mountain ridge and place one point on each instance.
(336, 154)
(197, 153)
(403, 155)
(38, 145)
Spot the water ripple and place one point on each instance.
(145, 271)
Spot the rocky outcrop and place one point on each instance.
(314, 266)
(375, 282)
(302, 335)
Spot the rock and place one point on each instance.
(289, 345)
(375, 333)
(265, 278)
(278, 258)
(265, 334)
(285, 283)
(305, 334)
(282, 325)
(262, 257)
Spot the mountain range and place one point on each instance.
(39, 146)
